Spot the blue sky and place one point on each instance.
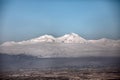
(26, 19)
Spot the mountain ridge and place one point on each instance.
(67, 38)
(69, 45)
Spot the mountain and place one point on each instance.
(69, 45)
(45, 38)
(71, 38)
(68, 38)
(106, 42)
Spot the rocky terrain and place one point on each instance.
(82, 74)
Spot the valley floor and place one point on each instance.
(66, 74)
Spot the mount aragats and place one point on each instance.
(69, 45)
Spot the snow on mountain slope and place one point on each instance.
(106, 42)
(71, 38)
(69, 45)
(68, 38)
(44, 38)
(10, 43)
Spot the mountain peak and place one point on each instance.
(44, 38)
(74, 34)
(71, 38)
(71, 35)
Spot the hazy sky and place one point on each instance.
(92, 19)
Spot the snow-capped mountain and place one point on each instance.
(44, 38)
(69, 45)
(71, 38)
(105, 42)
(67, 38)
